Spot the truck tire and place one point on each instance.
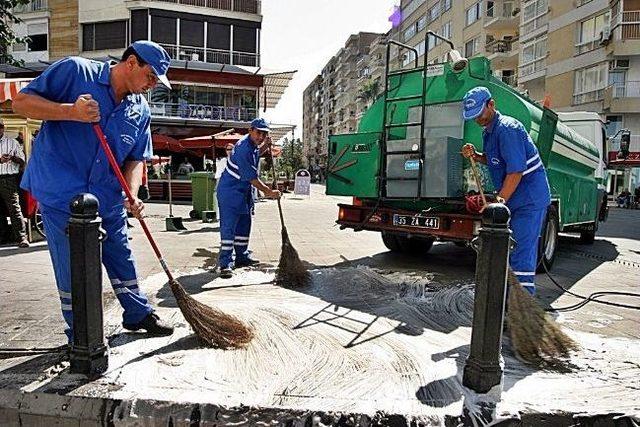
(548, 242)
(391, 242)
(415, 245)
(587, 237)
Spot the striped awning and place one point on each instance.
(10, 87)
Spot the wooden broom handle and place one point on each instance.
(125, 187)
(474, 170)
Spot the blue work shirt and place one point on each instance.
(509, 149)
(67, 158)
(235, 183)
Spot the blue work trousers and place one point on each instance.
(235, 229)
(526, 225)
(117, 259)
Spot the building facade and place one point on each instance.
(476, 27)
(585, 56)
(334, 101)
(214, 46)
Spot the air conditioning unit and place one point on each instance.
(605, 35)
(619, 64)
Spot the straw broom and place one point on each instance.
(536, 338)
(291, 272)
(212, 326)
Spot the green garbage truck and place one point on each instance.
(407, 178)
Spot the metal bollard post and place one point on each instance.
(482, 370)
(88, 351)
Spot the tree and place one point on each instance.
(7, 35)
(292, 159)
(369, 91)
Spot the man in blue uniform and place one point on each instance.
(235, 198)
(67, 160)
(518, 176)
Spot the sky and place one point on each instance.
(304, 34)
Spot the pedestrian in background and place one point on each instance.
(12, 160)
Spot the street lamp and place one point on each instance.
(458, 62)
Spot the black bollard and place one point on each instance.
(482, 370)
(88, 351)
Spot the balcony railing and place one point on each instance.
(202, 112)
(501, 46)
(214, 56)
(587, 46)
(33, 6)
(246, 6)
(590, 96)
(627, 25)
(629, 89)
(533, 66)
(511, 80)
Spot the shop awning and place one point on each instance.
(10, 87)
(274, 86)
(198, 146)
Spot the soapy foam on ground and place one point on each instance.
(358, 341)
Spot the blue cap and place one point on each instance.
(474, 102)
(260, 124)
(157, 58)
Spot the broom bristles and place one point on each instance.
(291, 272)
(535, 336)
(214, 328)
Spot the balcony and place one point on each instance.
(243, 6)
(202, 112)
(213, 56)
(623, 97)
(33, 6)
(511, 80)
(502, 17)
(503, 53)
(587, 46)
(626, 33)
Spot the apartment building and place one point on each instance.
(585, 55)
(476, 27)
(333, 101)
(214, 46)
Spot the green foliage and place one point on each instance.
(369, 91)
(7, 35)
(291, 159)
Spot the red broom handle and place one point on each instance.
(127, 191)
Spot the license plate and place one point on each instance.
(416, 221)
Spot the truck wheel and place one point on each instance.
(415, 245)
(391, 242)
(587, 237)
(548, 242)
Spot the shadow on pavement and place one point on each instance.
(6, 251)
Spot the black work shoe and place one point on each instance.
(152, 324)
(226, 272)
(246, 262)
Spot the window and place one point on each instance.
(104, 35)
(433, 12)
(422, 22)
(431, 42)
(139, 24)
(535, 15)
(590, 31)
(446, 30)
(590, 83)
(446, 5)
(474, 13)
(37, 43)
(163, 30)
(411, 7)
(218, 36)
(191, 33)
(532, 56)
(244, 39)
(409, 32)
(472, 47)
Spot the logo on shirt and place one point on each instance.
(134, 113)
(495, 161)
(127, 139)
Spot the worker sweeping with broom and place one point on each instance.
(95, 138)
(520, 180)
(235, 198)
